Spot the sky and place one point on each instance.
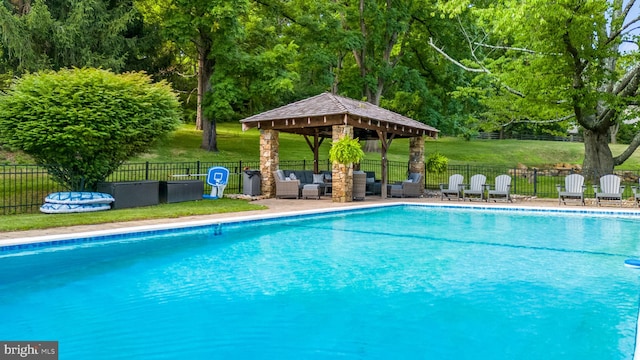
(634, 13)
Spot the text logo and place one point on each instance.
(31, 350)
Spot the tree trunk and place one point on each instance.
(22, 7)
(205, 70)
(202, 80)
(598, 159)
(209, 138)
(613, 130)
(200, 98)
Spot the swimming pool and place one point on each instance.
(393, 282)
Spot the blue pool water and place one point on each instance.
(405, 282)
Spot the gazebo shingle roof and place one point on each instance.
(324, 110)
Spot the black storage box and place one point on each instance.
(181, 190)
(128, 194)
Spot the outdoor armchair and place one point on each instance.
(501, 189)
(573, 189)
(412, 187)
(609, 189)
(476, 188)
(286, 187)
(453, 189)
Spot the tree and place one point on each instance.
(82, 124)
(38, 34)
(554, 61)
(202, 30)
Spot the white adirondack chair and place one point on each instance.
(476, 188)
(501, 190)
(454, 188)
(609, 189)
(573, 189)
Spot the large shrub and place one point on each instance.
(81, 124)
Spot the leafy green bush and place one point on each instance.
(81, 124)
(346, 151)
(626, 132)
(437, 163)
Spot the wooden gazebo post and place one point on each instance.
(384, 162)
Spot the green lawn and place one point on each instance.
(234, 145)
(162, 211)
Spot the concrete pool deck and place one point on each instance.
(286, 206)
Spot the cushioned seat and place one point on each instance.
(311, 191)
(412, 187)
(285, 187)
(374, 187)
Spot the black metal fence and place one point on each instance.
(24, 187)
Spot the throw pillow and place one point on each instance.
(318, 178)
(292, 176)
(371, 180)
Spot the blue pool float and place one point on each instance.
(76, 201)
(79, 197)
(51, 208)
(632, 263)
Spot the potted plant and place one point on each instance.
(437, 163)
(343, 154)
(346, 151)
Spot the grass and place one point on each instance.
(162, 211)
(234, 145)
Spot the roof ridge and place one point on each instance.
(337, 99)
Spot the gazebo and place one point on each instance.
(331, 116)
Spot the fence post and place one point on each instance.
(424, 181)
(198, 167)
(241, 179)
(146, 170)
(535, 182)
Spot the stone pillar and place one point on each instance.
(269, 160)
(416, 155)
(342, 175)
